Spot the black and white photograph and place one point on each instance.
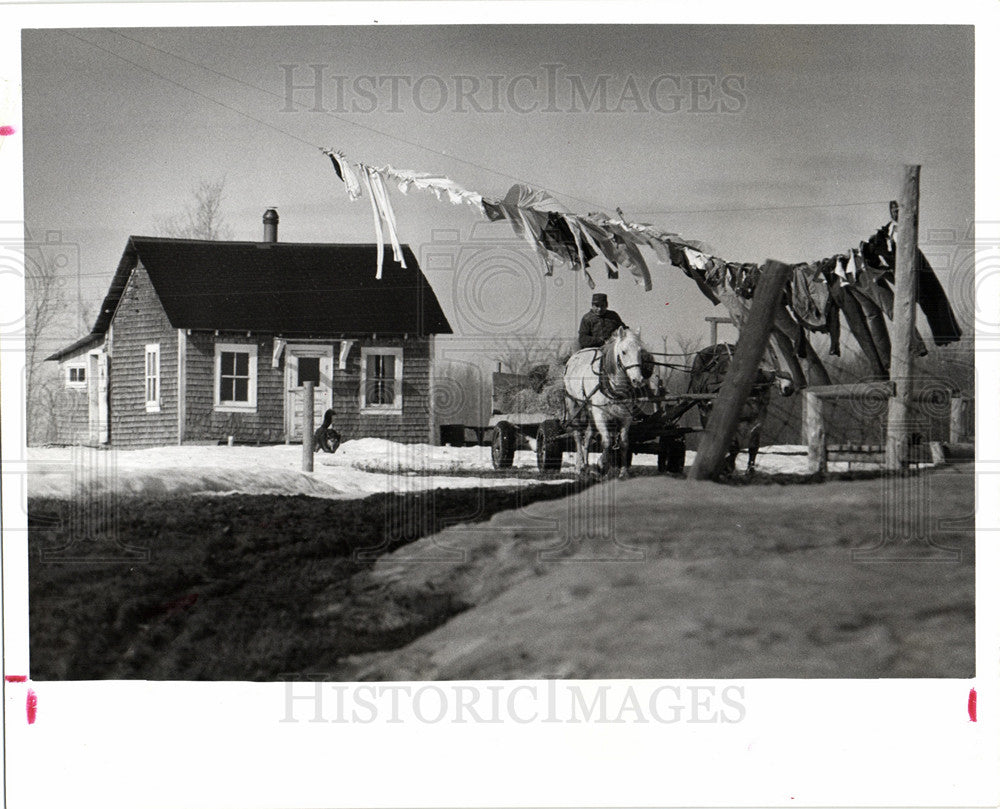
(565, 380)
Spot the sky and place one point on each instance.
(764, 142)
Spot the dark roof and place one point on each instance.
(280, 287)
(84, 343)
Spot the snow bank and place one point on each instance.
(359, 468)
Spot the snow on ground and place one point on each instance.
(359, 468)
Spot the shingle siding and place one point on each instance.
(267, 424)
(413, 424)
(139, 320)
(203, 423)
(73, 423)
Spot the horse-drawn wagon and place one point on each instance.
(539, 409)
(571, 409)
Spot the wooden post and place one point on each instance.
(815, 431)
(901, 366)
(713, 327)
(722, 424)
(307, 426)
(957, 434)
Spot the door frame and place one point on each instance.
(324, 351)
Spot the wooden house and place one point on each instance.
(200, 341)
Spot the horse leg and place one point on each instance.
(623, 472)
(600, 422)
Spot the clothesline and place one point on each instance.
(855, 282)
(553, 232)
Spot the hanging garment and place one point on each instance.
(528, 224)
(858, 325)
(678, 257)
(600, 240)
(346, 173)
(388, 215)
(493, 211)
(880, 251)
(812, 304)
(934, 303)
(628, 257)
(875, 323)
(377, 217)
(437, 185)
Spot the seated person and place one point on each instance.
(599, 323)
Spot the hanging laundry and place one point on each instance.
(628, 257)
(858, 325)
(385, 207)
(678, 257)
(345, 172)
(437, 185)
(879, 251)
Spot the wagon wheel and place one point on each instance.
(502, 449)
(548, 446)
(672, 453)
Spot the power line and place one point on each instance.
(412, 143)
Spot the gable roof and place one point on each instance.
(281, 287)
(92, 340)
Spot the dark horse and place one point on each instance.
(707, 372)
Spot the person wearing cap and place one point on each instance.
(599, 323)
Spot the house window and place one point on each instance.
(153, 378)
(308, 370)
(76, 376)
(382, 379)
(235, 377)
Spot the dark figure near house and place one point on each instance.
(326, 438)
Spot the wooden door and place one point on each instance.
(302, 364)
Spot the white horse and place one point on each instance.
(600, 386)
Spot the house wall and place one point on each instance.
(265, 425)
(73, 420)
(413, 425)
(139, 320)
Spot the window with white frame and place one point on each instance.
(76, 376)
(152, 377)
(235, 377)
(382, 379)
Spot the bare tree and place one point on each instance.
(518, 354)
(44, 308)
(202, 217)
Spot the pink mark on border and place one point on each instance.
(16, 678)
(32, 706)
(972, 704)
(7, 130)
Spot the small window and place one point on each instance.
(76, 376)
(235, 377)
(382, 379)
(153, 378)
(308, 370)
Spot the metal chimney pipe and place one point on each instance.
(270, 226)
